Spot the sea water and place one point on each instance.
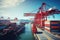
(27, 35)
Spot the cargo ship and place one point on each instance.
(10, 27)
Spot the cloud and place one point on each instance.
(10, 3)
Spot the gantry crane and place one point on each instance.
(41, 16)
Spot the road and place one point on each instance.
(44, 35)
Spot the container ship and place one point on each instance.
(11, 27)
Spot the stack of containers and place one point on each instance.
(47, 25)
(53, 26)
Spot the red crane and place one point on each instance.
(41, 16)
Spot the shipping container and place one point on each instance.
(53, 26)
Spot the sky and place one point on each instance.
(17, 8)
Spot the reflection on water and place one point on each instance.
(27, 35)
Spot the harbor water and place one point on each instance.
(27, 35)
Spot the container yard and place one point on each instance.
(29, 20)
